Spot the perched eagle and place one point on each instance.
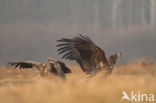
(56, 67)
(86, 53)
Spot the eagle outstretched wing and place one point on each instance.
(64, 67)
(26, 64)
(83, 50)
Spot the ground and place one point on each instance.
(26, 86)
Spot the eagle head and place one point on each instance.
(43, 65)
(51, 60)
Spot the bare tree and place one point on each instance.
(152, 12)
(115, 9)
(143, 17)
(130, 13)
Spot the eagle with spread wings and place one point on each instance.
(56, 67)
(86, 53)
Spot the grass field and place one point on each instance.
(26, 86)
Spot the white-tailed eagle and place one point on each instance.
(56, 67)
(86, 53)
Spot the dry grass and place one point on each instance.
(26, 86)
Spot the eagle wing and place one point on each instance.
(25, 64)
(64, 67)
(83, 51)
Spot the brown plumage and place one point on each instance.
(112, 59)
(89, 56)
(27, 64)
(56, 67)
(30, 64)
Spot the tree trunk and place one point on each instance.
(115, 8)
(152, 12)
(130, 13)
(143, 19)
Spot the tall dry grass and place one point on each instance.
(26, 86)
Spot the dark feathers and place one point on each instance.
(58, 68)
(82, 49)
(113, 58)
(25, 64)
(64, 67)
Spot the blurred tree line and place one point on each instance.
(81, 13)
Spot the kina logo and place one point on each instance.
(138, 96)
